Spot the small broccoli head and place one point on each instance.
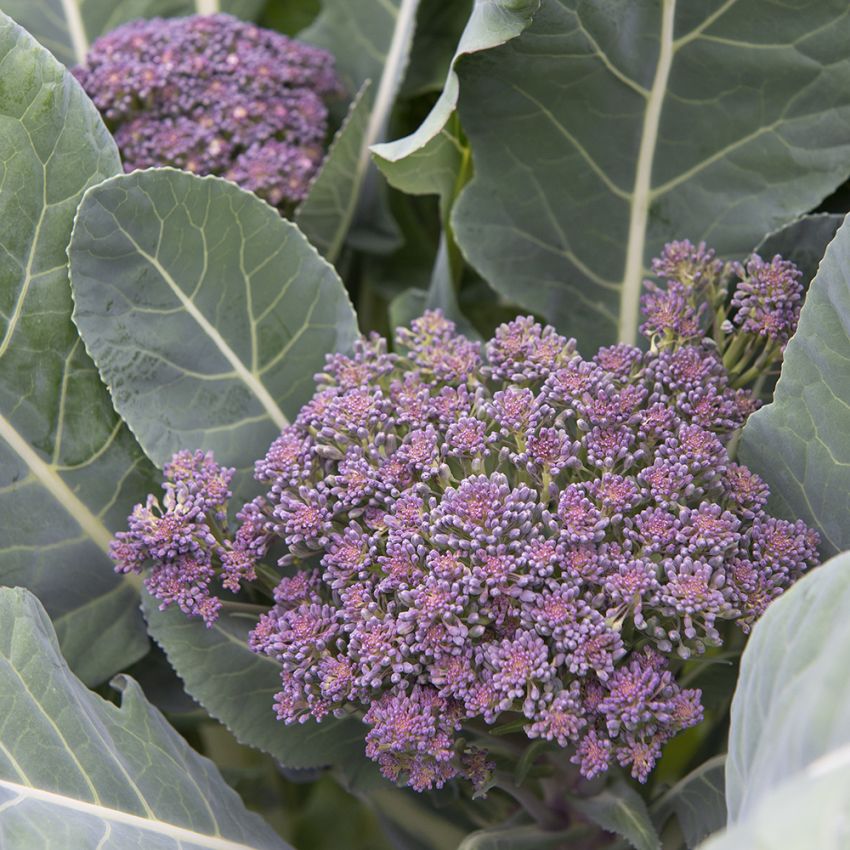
(215, 95)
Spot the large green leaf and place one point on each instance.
(69, 470)
(809, 811)
(327, 212)
(792, 704)
(698, 802)
(237, 687)
(77, 771)
(68, 27)
(606, 129)
(370, 40)
(788, 771)
(428, 160)
(800, 444)
(206, 312)
(439, 26)
(620, 809)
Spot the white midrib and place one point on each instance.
(243, 372)
(115, 816)
(76, 29)
(53, 483)
(642, 191)
(384, 97)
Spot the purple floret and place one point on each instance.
(513, 535)
(215, 95)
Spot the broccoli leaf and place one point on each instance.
(69, 469)
(605, 130)
(810, 810)
(370, 40)
(427, 161)
(792, 704)
(620, 809)
(519, 838)
(206, 313)
(788, 770)
(802, 241)
(800, 443)
(78, 771)
(328, 210)
(698, 802)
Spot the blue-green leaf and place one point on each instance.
(427, 161)
(607, 129)
(788, 769)
(800, 443)
(206, 313)
(77, 771)
(69, 470)
(620, 809)
(698, 802)
(68, 27)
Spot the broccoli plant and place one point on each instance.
(424, 425)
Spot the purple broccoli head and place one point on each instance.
(215, 95)
(507, 534)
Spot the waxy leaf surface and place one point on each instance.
(607, 129)
(70, 471)
(206, 312)
(427, 161)
(327, 212)
(792, 704)
(800, 443)
(370, 41)
(697, 801)
(788, 768)
(76, 771)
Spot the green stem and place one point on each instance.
(530, 802)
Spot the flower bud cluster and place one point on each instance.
(214, 95)
(749, 309)
(181, 538)
(513, 535)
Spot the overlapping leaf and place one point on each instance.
(206, 312)
(519, 838)
(76, 771)
(803, 242)
(68, 27)
(600, 134)
(69, 470)
(620, 809)
(428, 160)
(326, 214)
(792, 705)
(810, 811)
(800, 443)
(237, 687)
(788, 769)
(370, 40)
(697, 801)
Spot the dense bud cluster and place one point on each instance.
(478, 536)
(214, 95)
